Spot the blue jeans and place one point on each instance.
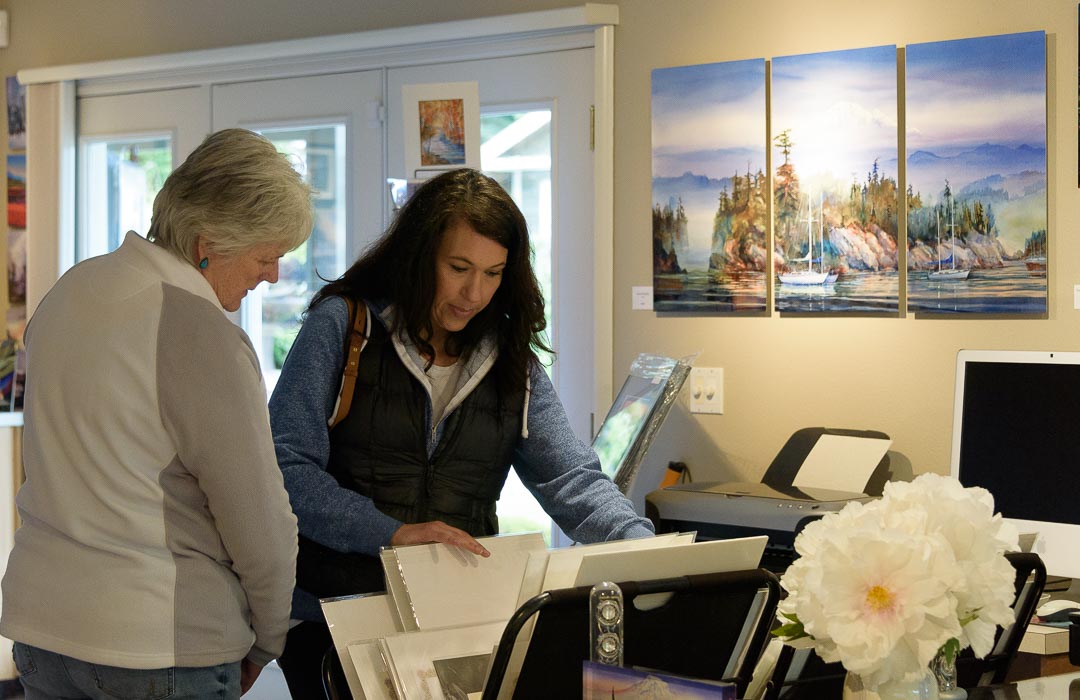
(46, 675)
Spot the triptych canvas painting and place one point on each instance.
(709, 219)
(976, 173)
(973, 205)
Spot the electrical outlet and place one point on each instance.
(706, 390)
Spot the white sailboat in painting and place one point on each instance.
(808, 277)
(942, 273)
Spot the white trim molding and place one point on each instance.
(53, 92)
(604, 220)
(325, 53)
(50, 177)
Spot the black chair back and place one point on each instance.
(334, 682)
(713, 626)
(1029, 584)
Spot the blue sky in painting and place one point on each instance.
(996, 84)
(16, 166)
(840, 107)
(708, 119)
(976, 117)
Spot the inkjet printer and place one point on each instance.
(784, 502)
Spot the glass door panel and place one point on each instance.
(515, 150)
(122, 177)
(534, 128)
(272, 312)
(331, 126)
(523, 85)
(127, 146)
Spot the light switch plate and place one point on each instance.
(641, 298)
(706, 390)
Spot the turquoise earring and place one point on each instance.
(203, 263)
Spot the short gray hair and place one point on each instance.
(237, 192)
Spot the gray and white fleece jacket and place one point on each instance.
(156, 531)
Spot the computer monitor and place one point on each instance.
(1016, 432)
(636, 414)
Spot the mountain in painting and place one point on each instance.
(691, 188)
(927, 170)
(1001, 188)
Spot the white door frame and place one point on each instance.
(51, 117)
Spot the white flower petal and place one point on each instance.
(882, 586)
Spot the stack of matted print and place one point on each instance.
(434, 632)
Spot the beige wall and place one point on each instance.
(891, 374)
(781, 374)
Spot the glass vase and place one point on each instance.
(924, 688)
(944, 667)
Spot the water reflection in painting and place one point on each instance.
(976, 171)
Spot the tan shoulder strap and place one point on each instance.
(358, 314)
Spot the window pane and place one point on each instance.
(515, 150)
(272, 313)
(122, 177)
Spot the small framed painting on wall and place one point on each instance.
(441, 127)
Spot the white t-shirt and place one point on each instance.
(444, 382)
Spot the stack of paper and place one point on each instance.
(1045, 639)
(439, 621)
(357, 623)
(439, 585)
(433, 633)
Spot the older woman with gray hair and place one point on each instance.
(157, 550)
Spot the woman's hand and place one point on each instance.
(437, 531)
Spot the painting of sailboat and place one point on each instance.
(946, 267)
(976, 172)
(834, 183)
(709, 189)
(809, 276)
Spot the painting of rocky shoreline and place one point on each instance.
(835, 198)
(975, 178)
(976, 173)
(709, 189)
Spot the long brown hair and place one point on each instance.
(400, 268)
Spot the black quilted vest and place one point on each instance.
(380, 448)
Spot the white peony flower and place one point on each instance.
(978, 538)
(882, 586)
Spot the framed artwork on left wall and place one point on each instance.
(16, 190)
(16, 113)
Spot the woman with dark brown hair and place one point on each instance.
(449, 394)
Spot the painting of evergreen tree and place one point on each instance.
(834, 182)
(976, 173)
(709, 190)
